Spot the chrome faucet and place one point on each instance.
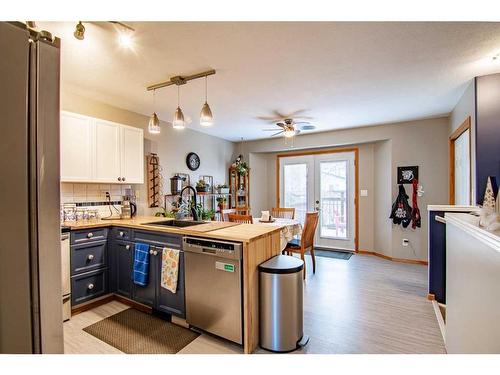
(193, 204)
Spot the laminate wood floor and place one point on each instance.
(363, 305)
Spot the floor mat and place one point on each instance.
(135, 332)
(344, 255)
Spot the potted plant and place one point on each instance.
(202, 187)
(165, 213)
(222, 189)
(221, 202)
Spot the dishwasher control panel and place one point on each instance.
(223, 249)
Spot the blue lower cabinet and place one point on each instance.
(100, 266)
(89, 285)
(147, 294)
(437, 257)
(123, 255)
(166, 301)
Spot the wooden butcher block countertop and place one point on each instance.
(212, 229)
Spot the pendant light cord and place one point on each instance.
(206, 89)
(178, 96)
(154, 100)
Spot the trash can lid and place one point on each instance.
(282, 264)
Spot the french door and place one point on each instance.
(323, 183)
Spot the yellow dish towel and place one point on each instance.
(169, 269)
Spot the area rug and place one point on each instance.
(344, 255)
(135, 332)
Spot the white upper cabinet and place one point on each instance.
(76, 147)
(132, 155)
(94, 150)
(107, 152)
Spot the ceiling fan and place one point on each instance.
(290, 128)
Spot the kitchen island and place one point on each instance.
(472, 279)
(259, 244)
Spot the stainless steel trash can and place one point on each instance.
(281, 304)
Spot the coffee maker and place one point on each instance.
(129, 205)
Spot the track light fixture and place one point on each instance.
(125, 33)
(79, 31)
(206, 117)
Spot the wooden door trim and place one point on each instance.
(356, 180)
(466, 125)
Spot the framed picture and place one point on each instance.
(407, 174)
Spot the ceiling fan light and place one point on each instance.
(79, 31)
(154, 124)
(289, 133)
(206, 117)
(179, 122)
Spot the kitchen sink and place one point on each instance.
(176, 223)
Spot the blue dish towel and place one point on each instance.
(141, 264)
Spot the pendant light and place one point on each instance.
(154, 121)
(178, 122)
(206, 118)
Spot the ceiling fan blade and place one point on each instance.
(297, 132)
(278, 133)
(271, 119)
(281, 125)
(279, 114)
(269, 130)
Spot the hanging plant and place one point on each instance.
(242, 168)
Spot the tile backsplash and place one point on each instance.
(93, 195)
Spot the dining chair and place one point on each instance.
(225, 212)
(242, 219)
(283, 212)
(306, 241)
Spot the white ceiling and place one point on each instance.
(343, 74)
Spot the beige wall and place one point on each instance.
(422, 143)
(171, 145)
(466, 107)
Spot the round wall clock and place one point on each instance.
(193, 161)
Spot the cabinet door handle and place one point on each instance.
(119, 178)
(90, 257)
(123, 178)
(121, 234)
(90, 286)
(127, 247)
(150, 252)
(155, 252)
(90, 235)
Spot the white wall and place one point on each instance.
(466, 107)
(171, 145)
(423, 143)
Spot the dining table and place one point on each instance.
(290, 228)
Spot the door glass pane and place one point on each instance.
(462, 169)
(295, 189)
(333, 199)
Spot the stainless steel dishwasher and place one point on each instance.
(213, 287)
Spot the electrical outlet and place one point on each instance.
(406, 242)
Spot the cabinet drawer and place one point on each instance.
(158, 239)
(88, 285)
(121, 233)
(88, 257)
(89, 235)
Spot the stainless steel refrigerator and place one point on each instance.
(30, 255)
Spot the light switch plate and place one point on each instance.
(364, 193)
